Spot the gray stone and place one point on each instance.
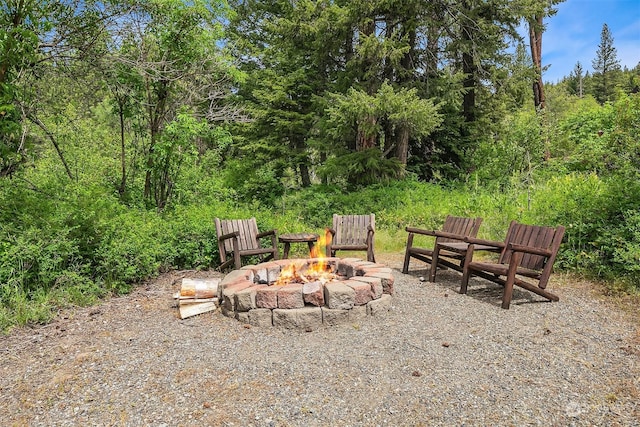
(358, 312)
(380, 305)
(226, 312)
(242, 316)
(261, 317)
(246, 298)
(339, 296)
(229, 294)
(345, 268)
(306, 319)
(332, 317)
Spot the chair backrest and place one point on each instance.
(460, 226)
(352, 229)
(248, 229)
(547, 238)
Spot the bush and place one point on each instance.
(601, 217)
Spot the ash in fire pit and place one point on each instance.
(306, 293)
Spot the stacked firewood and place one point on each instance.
(197, 296)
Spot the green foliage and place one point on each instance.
(11, 144)
(519, 149)
(175, 147)
(361, 168)
(254, 182)
(601, 218)
(400, 107)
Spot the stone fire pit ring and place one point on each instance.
(250, 295)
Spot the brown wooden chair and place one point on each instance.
(240, 237)
(449, 249)
(528, 252)
(352, 233)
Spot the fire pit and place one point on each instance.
(306, 293)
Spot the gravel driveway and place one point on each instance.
(437, 358)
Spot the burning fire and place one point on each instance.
(306, 272)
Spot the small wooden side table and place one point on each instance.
(288, 239)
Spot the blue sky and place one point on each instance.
(573, 34)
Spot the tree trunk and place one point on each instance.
(432, 53)
(468, 68)
(156, 115)
(469, 84)
(364, 141)
(304, 175)
(52, 138)
(402, 147)
(123, 178)
(535, 41)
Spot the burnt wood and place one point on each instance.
(352, 233)
(528, 252)
(449, 249)
(240, 237)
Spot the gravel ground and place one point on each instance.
(437, 358)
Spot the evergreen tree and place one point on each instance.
(576, 82)
(578, 74)
(605, 67)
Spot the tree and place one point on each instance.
(165, 55)
(576, 80)
(536, 12)
(297, 55)
(605, 65)
(400, 108)
(37, 38)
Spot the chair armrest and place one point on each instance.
(420, 231)
(529, 249)
(435, 233)
(476, 241)
(228, 236)
(267, 233)
(332, 231)
(449, 235)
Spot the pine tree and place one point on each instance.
(605, 66)
(576, 80)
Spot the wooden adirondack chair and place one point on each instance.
(449, 249)
(352, 233)
(528, 251)
(240, 237)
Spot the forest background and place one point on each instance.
(127, 126)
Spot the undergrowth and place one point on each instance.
(80, 249)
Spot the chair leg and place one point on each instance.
(407, 258)
(507, 292)
(370, 256)
(236, 254)
(407, 254)
(465, 281)
(466, 273)
(434, 263)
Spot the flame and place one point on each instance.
(322, 243)
(287, 275)
(317, 269)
